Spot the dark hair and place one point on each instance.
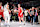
(5, 2)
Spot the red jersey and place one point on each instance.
(1, 13)
(19, 12)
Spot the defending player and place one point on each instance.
(1, 12)
(6, 14)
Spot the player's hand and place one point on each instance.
(9, 11)
(33, 14)
(30, 15)
(1, 10)
(37, 13)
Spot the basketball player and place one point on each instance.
(20, 13)
(6, 14)
(1, 12)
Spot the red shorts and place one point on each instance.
(20, 15)
(1, 13)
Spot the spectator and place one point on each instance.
(36, 15)
(31, 15)
(26, 15)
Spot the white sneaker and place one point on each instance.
(8, 23)
(1, 23)
(5, 24)
(20, 23)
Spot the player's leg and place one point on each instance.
(22, 20)
(0, 19)
(8, 19)
(3, 15)
(5, 19)
(19, 20)
(22, 17)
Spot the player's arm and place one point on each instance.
(29, 13)
(17, 10)
(22, 10)
(39, 10)
(8, 9)
(2, 8)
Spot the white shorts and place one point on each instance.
(7, 16)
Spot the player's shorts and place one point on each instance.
(6, 14)
(20, 15)
(1, 13)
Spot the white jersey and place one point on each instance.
(6, 11)
(6, 15)
(26, 12)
